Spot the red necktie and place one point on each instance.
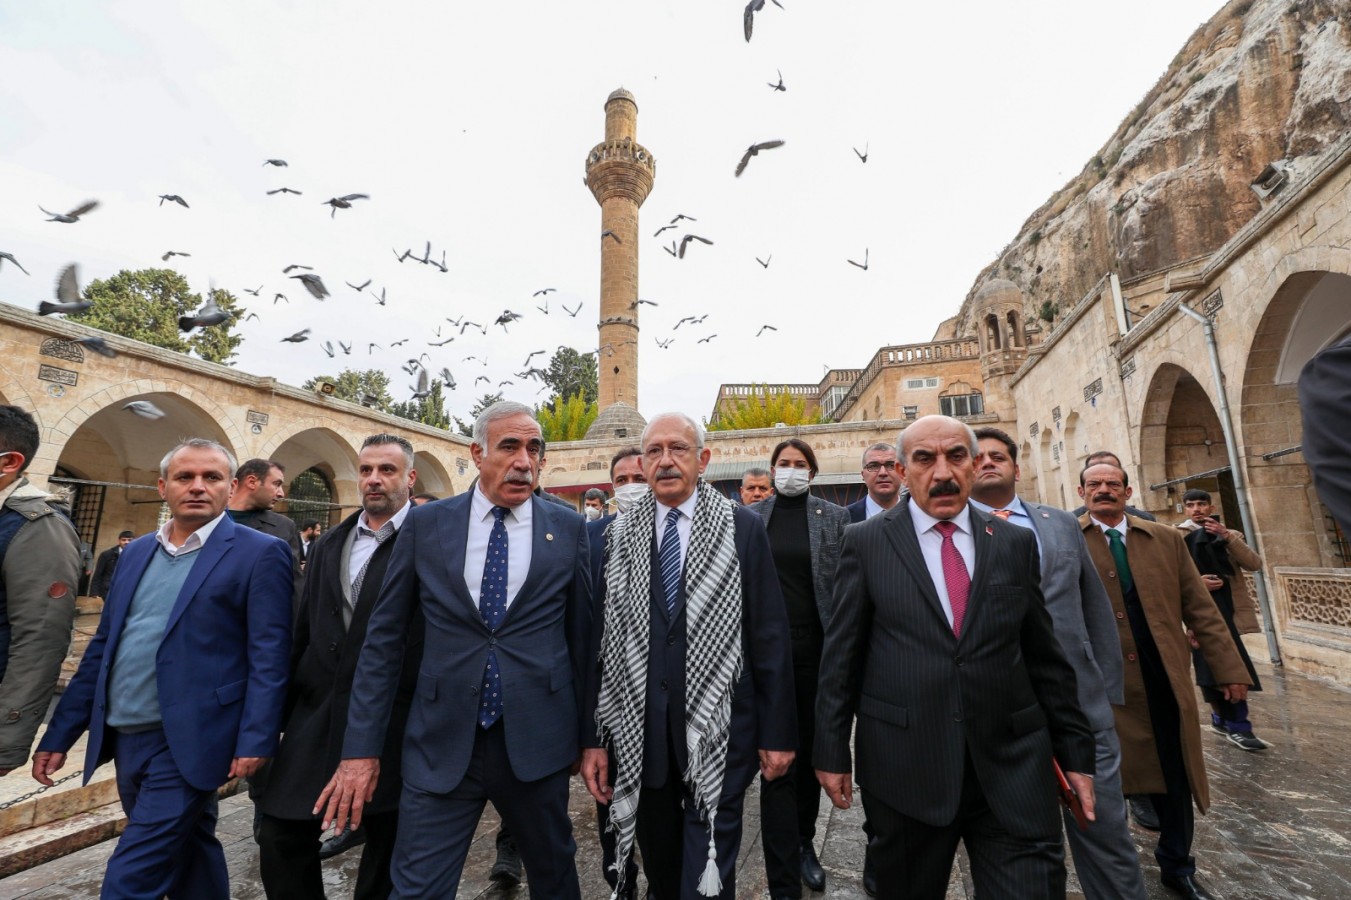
(1002, 513)
(955, 576)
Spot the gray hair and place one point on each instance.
(972, 444)
(383, 438)
(879, 447)
(197, 444)
(502, 409)
(694, 426)
(755, 472)
(594, 494)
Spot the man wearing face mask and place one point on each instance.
(805, 533)
(593, 504)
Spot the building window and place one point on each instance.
(919, 384)
(311, 496)
(911, 412)
(964, 405)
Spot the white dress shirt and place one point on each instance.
(520, 540)
(684, 525)
(1122, 527)
(931, 545)
(1018, 515)
(195, 541)
(871, 507)
(364, 545)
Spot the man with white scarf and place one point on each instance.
(694, 692)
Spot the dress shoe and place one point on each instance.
(507, 869)
(1142, 811)
(341, 843)
(869, 873)
(1185, 886)
(813, 876)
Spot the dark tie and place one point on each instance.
(955, 576)
(492, 605)
(385, 533)
(669, 556)
(1002, 513)
(1123, 568)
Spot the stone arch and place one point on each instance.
(1075, 451)
(1015, 324)
(13, 393)
(993, 340)
(1029, 472)
(315, 443)
(432, 476)
(1180, 434)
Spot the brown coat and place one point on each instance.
(1173, 596)
(1245, 606)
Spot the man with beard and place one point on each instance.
(345, 570)
(257, 487)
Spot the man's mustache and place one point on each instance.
(945, 489)
(518, 478)
(667, 472)
(1104, 497)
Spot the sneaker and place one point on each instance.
(1246, 740)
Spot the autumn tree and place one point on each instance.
(356, 386)
(763, 409)
(566, 420)
(145, 306)
(571, 372)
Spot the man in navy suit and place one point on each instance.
(882, 480)
(184, 682)
(501, 580)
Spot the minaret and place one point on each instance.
(619, 173)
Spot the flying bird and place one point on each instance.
(482, 378)
(748, 18)
(252, 316)
(545, 308)
(98, 345)
(293, 266)
(253, 291)
(455, 323)
(679, 216)
(764, 263)
(210, 314)
(572, 312)
(398, 343)
(10, 257)
(343, 202)
(402, 256)
(72, 216)
(423, 389)
(467, 323)
(358, 287)
(543, 291)
(285, 190)
(314, 284)
(661, 229)
(442, 343)
(173, 198)
(691, 237)
(145, 409)
(370, 348)
(328, 348)
(346, 348)
(67, 294)
(635, 304)
(671, 249)
(862, 157)
(276, 297)
(764, 328)
(165, 257)
(610, 234)
(663, 344)
(533, 354)
(705, 340)
(863, 265)
(506, 318)
(381, 300)
(780, 86)
(298, 337)
(280, 163)
(754, 150)
(448, 378)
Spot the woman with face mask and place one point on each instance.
(805, 533)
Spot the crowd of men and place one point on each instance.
(985, 658)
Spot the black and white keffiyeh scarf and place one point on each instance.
(712, 659)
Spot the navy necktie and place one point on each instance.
(492, 605)
(669, 556)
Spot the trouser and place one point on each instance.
(169, 847)
(288, 857)
(674, 840)
(1104, 856)
(789, 804)
(1231, 715)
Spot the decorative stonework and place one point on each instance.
(1093, 390)
(1318, 597)
(62, 349)
(58, 376)
(1212, 304)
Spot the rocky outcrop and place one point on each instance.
(1260, 82)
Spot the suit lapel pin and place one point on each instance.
(818, 510)
(548, 537)
(1046, 515)
(989, 529)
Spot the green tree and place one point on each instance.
(467, 428)
(145, 305)
(566, 420)
(354, 386)
(431, 410)
(571, 372)
(764, 409)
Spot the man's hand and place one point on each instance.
(596, 773)
(45, 762)
(1216, 528)
(1191, 639)
(839, 787)
(1083, 786)
(348, 792)
(244, 766)
(774, 763)
(1235, 692)
(1213, 582)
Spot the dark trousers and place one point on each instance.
(789, 804)
(288, 857)
(1231, 715)
(169, 847)
(674, 840)
(435, 830)
(914, 859)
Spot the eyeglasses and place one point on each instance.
(874, 467)
(677, 451)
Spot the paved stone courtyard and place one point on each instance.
(1280, 827)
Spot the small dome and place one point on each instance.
(618, 421)
(620, 94)
(997, 291)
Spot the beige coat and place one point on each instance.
(1245, 605)
(1174, 597)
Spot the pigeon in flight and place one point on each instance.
(285, 190)
(299, 337)
(442, 343)
(545, 308)
(293, 266)
(863, 265)
(636, 303)
(72, 216)
(276, 297)
(381, 299)
(346, 348)
(343, 202)
(402, 256)
(466, 323)
(658, 232)
(705, 340)
(691, 237)
(764, 328)
(610, 234)
(173, 198)
(764, 262)
(279, 163)
(253, 291)
(543, 291)
(448, 378)
(165, 257)
(358, 287)
(328, 348)
(423, 389)
(145, 409)
(314, 284)
(482, 378)
(533, 354)
(572, 312)
(210, 314)
(780, 86)
(370, 348)
(399, 343)
(67, 293)
(671, 249)
(754, 150)
(98, 345)
(862, 157)
(252, 316)
(748, 18)
(679, 216)
(10, 257)
(506, 318)
(663, 344)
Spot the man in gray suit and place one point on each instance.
(1105, 858)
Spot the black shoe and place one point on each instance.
(813, 876)
(507, 869)
(869, 873)
(341, 843)
(1186, 886)
(1142, 811)
(1246, 740)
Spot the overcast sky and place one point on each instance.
(469, 126)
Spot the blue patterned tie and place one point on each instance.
(492, 605)
(669, 555)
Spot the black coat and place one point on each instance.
(103, 572)
(279, 526)
(323, 661)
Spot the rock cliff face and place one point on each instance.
(1262, 81)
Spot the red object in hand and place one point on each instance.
(1070, 797)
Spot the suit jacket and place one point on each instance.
(283, 527)
(1002, 693)
(858, 510)
(595, 538)
(323, 662)
(220, 669)
(103, 571)
(825, 528)
(1080, 612)
(1325, 404)
(1172, 594)
(542, 648)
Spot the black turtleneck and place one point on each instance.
(791, 545)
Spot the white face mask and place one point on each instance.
(592, 513)
(628, 494)
(791, 482)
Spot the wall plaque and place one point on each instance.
(255, 417)
(62, 349)
(58, 376)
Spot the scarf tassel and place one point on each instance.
(710, 885)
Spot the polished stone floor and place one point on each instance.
(1279, 827)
